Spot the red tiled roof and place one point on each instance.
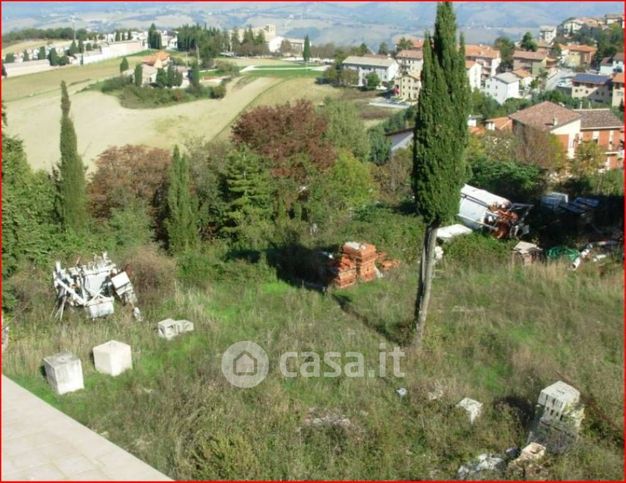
(411, 54)
(418, 43)
(473, 50)
(522, 54)
(500, 123)
(618, 78)
(521, 73)
(581, 48)
(160, 55)
(598, 119)
(545, 116)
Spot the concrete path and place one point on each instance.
(41, 443)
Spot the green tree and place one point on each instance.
(26, 56)
(70, 174)
(344, 127)
(138, 76)
(129, 35)
(439, 143)
(404, 44)
(194, 78)
(154, 38)
(53, 57)
(161, 78)
(81, 46)
(372, 81)
(528, 42)
(73, 48)
(182, 217)
(124, 65)
(41, 54)
(248, 210)
(383, 49)
(362, 49)
(9, 58)
(506, 47)
(27, 209)
(117, 35)
(380, 146)
(306, 53)
(588, 160)
(348, 185)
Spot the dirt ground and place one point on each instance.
(101, 122)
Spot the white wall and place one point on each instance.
(501, 91)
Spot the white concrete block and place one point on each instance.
(472, 407)
(112, 358)
(64, 372)
(170, 328)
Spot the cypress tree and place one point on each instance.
(306, 53)
(182, 220)
(194, 80)
(124, 65)
(42, 53)
(53, 57)
(73, 48)
(138, 77)
(81, 46)
(25, 56)
(71, 203)
(439, 143)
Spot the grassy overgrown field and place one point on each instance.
(496, 333)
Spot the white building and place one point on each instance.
(609, 65)
(474, 72)
(547, 33)
(410, 60)
(502, 87)
(386, 68)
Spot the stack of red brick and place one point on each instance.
(358, 261)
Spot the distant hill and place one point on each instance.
(347, 23)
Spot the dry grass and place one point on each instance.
(101, 122)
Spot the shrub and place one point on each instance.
(115, 84)
(478, 250)
(152, 273)
(218, 92)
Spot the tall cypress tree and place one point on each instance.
(138, 77)
(70, 174)
(183, 217)
(306, 52)
(124, 65)
(439, 143)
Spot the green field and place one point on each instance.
(75, 76)
(284, 73)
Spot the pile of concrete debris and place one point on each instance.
(558, 418)
(93, 286)
(358, 261)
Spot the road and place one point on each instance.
(555, 79)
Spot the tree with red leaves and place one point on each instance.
(291, 136)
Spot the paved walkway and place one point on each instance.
(41, 443)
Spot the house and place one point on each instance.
(609, 65)
(474, 72)
(533, 62)
(383, 66)
(499, 124)
(573, 25)
(410, 60)
(502, 87)
(409, 85)
(269, 32)
(159, 60)
(577, 55)
(617, 97)
(593, 87)
(602, 127)
(612, 18)
(547, 33)
(148, 74)
(551, 118)
(488, 58)
(525, 79)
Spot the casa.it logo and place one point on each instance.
(245, 364)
